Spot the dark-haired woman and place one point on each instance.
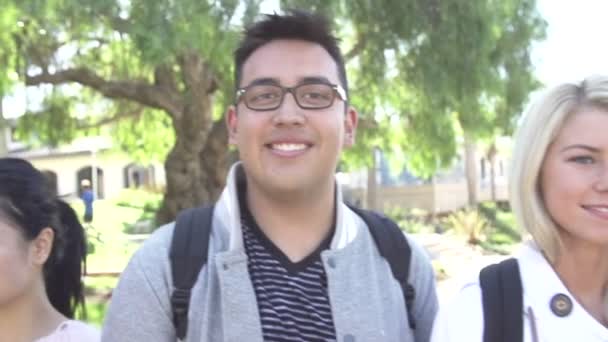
(42, 249)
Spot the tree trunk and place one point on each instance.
(197, 164)
(195, 176)
(372, 182)
(492, 159)
(3, 132)
(470, 169)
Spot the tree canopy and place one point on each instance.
(429, 68)
(157, 75)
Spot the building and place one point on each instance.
(446, 191)
(66, 166)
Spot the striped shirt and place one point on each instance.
(292, 297)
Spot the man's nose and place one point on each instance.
(289, 112)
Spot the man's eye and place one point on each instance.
(263, 97)
(267, 96)
(314, 95)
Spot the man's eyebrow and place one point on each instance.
(264, 81)
(314, 79)
(581, 146)
(302, 80)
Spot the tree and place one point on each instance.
(419, 69)
(436, 68)
(8, 17)
(3, 138)
(153, 72)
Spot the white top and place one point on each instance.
(72, 331)
(462, 319)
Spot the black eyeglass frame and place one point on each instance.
(337, 90)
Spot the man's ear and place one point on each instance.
(351, 119)
(42, 245)
(231, 123)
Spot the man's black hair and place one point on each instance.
(296, 25)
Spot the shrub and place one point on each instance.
(139, 199)
(411, 220)
(468, 223)
(148, 202)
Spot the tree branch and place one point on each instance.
(120, 25)
(196, 74)
(165, 77)
(356, 49)
(366, 123)
(118, 116)
(140, 92)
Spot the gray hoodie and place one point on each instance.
(366, 301)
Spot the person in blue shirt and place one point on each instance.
(88, 198)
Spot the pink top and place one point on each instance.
(72, 331)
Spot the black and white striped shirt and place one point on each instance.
(292, 297)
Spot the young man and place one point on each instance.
(287, 260)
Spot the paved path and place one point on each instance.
(460, 261)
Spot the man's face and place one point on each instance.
(289, 148)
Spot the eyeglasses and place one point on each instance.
(264, 97)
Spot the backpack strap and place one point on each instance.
(502, 298)
(393, 246)
(188, 254)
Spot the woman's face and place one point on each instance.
(574, 177)
(16, 268)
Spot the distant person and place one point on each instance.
(556, 289)
(87, 197)
(287, 259)
(42, 252)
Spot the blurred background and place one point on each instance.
(117, 92)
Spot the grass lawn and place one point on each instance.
(109, 249)
(502, 235)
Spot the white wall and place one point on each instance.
(112, 164)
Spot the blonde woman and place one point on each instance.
(559, 194)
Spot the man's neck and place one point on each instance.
(296, 224)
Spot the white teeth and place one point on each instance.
(602, 209)
(288, 147)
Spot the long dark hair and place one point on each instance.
(27, 200)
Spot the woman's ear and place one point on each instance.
(42, 245)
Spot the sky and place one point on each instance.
(575, 46)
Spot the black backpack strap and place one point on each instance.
(189, 248)
(502, 298)
(393, 246)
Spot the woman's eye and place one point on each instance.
(582, 160)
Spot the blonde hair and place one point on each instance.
(540, 126)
